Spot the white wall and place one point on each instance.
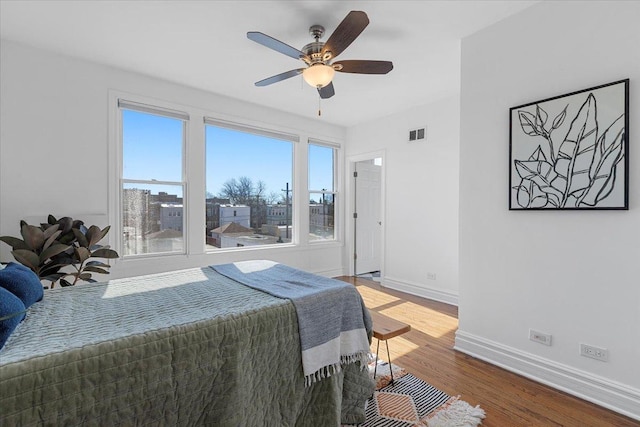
(54, 150)
(421, 196)
(575, 275)
(238, 214)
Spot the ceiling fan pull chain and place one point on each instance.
(319, 101)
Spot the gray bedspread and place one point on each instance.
(332, 318)
(185, 348)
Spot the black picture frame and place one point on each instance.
(570, 152)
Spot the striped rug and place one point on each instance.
(412, 402)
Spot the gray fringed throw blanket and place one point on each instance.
(332, 318)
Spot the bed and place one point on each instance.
(185, 348)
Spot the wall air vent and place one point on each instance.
(419, 134)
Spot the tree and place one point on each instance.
(272, 198)
(243, 191)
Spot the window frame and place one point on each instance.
(194, 213)
(125, 104)
(335, 193)
(294, 139)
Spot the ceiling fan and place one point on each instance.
(318, 56)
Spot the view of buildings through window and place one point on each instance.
(248, 178)
(152, 183)
(249, 188)
(322, 196)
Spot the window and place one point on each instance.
(152, 180)
(322, 194)
(248, 182)
(249, 177)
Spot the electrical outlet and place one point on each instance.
(431, 276)
(593, 352)
(540, 337)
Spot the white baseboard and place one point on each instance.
(420, 290)
(601, 391)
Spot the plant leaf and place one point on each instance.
(105, 253)
(522, 195)
(529, 195)
(611, 141)
(65, 224)
(608, 153)
(79, 224)
(541, 118)
(97, 264)
(52, 251)
(67, 238)
(14, 242)
(52, 277)
(51, 239)
(557, 122)
(80, 237)
(542, 174)
(82, 254)
(96, 270)
(53, 268)
(577, 149)
(104, 231)
(94, 235)
(84, 276)
(33, 236)
(50, 230)
(527, 121)
(595, 194)
(27, 258)
(64, 283)
(538, 155)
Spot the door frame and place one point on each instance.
(351, 204)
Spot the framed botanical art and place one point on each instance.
(570, 151)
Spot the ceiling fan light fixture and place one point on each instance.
(318, 75)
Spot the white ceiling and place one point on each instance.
(203, 44)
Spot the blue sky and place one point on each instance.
(152, 149)
(232, 154)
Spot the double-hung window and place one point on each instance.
(152, 182)
(249, 186)
(322, 191)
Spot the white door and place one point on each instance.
(368, 222)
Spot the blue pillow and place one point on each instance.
(12, 312)
(22, 282)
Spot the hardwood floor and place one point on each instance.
(509, 399)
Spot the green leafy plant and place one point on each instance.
(61, 250)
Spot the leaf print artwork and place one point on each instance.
(569, 152)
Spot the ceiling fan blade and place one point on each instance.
(279, 77)
(275, 44)
(349, 29)
(364, 67)
(327, 92)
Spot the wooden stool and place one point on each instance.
(384, 328)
